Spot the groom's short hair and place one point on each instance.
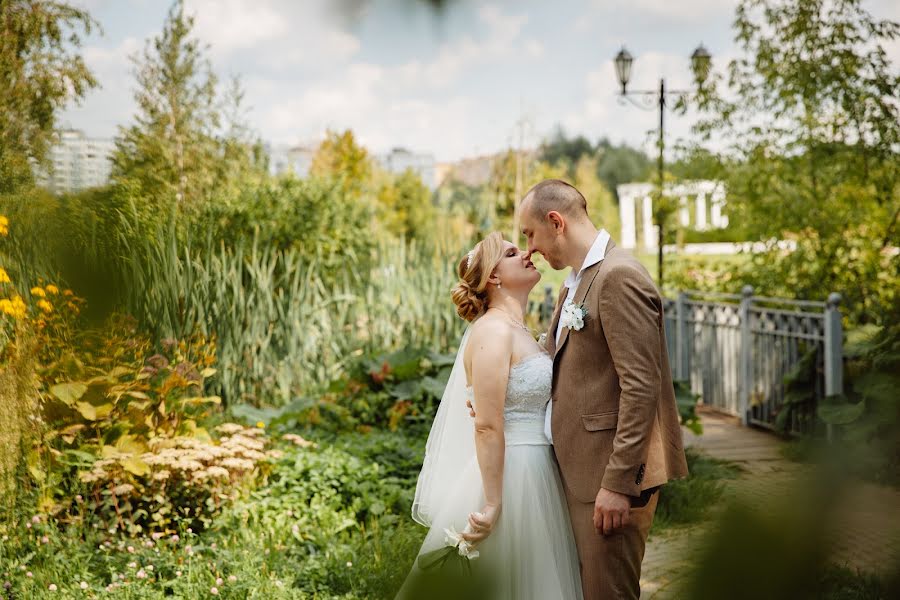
(556, 194)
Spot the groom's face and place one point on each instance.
(542, 238)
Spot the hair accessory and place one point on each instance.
(471, 255)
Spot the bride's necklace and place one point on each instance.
(515, 322)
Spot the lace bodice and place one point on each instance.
(528, 389)
(527, 393)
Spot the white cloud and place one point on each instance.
(454, 58)
(534, 49)
(681, 11)
(305, 71)
(603, 112)
(230, 25)
(284, 34)
(422, 103)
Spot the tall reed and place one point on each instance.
(284, 325)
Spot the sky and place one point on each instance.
(475, 79)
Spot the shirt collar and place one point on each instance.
(594, 255)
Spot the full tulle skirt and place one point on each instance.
(531, 552)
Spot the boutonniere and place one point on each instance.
(573, 315)
(542, 339)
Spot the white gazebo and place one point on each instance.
(707, 198)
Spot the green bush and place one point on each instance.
(687, 500)
(315, 217)
(330, 523)
(866, 417)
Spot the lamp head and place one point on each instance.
(623, 67)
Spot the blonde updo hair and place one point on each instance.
(470, 294)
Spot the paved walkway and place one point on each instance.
(868, 533)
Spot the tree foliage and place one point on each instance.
(41, 70)
(615, 164)
(341, 157)
(621, 163)
(811, 115)
(404, 205)
(170, 152)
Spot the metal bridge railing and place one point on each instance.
(737, 350)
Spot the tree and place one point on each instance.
(171, 152)
(562, 149)
(242, 158)
(602, 207)
(404, 205)
(41, 70)
(814, 126)
(342, 158)
(620, 164)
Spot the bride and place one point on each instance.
(494, 477)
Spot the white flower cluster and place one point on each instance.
(191, 460)
(572, 316)
(454, 539)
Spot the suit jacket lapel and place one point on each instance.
(587, 278)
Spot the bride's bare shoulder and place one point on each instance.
(490, 334)
(490, 326)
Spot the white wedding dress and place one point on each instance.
(531, 552)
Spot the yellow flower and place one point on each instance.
(4, 276)
(4, 225)
(67, 293)
(39, 292)
(52, 289)
(45, 306)
(260, 424)
(14, 307)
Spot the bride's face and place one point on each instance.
(515, 270)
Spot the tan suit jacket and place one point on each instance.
(615, 423)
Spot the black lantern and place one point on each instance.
(623, 67)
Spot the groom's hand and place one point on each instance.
(612, 511)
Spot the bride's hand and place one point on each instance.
(482, 524)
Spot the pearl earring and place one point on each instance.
(498, 285)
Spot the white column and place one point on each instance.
(715, 216)
(718, 202)
(649, 229)
(684, 212)
(701, 211)
(626, 217)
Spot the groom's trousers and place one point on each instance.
(611, 564)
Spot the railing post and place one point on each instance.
(682, 370)
(746, 367)
(834, 350)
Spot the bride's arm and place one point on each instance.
(491, 351)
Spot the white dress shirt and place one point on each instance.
(594, 255)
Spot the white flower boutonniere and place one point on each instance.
(573, 315)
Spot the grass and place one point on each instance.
(687, 500)
(842, 583)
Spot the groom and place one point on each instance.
(612, 420)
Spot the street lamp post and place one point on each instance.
(700, 63)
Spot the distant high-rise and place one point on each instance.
(294, 159)
(399, 160)
(77, 162)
